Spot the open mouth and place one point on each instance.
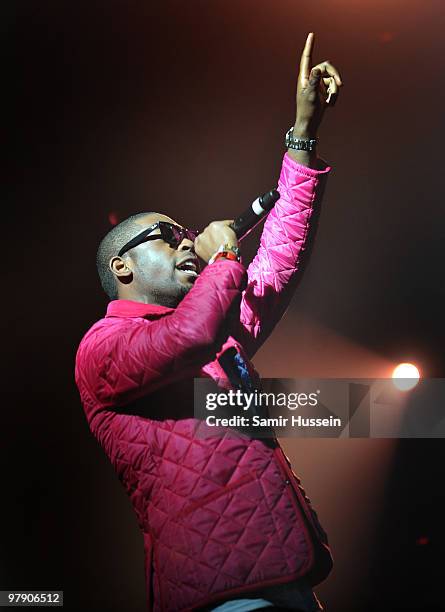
(189, 267)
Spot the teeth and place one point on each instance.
(188, 265)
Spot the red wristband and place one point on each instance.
(226, 255)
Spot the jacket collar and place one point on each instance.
(129, 308)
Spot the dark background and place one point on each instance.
(181, 107)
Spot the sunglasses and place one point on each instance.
(169, 232)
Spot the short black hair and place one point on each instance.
(110, 246)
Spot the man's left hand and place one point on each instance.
(317, 88)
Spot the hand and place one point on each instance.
(214, 235)
(317, 88)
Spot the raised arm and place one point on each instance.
(317, 88)
(273, 274)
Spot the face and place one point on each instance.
(161, 273)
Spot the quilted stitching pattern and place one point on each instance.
(220, 512)
(218, 538)
(282, 242)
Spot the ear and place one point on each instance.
(120, 269)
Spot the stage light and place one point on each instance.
(386, 37)
(405, 376)
(113, 218)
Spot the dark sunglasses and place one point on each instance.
(170, 233)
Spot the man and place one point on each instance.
(226, 524)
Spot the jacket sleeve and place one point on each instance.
(273, 273)
(120, 360)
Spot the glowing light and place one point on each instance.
(113, 218)
(405, 376)
(386, 37)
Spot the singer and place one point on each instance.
(225, 523)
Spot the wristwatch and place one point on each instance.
(299, 144)
(227, 251)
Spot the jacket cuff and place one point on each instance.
(290, 164)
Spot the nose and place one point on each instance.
(186, 245)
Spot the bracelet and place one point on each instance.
(226, 251)
(299, 144)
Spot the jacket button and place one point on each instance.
(287, 481)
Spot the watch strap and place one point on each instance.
(299, 144)
(226, 251)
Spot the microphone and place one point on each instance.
(256, 212)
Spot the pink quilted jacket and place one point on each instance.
(220, 515)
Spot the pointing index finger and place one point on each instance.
(306, 56)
